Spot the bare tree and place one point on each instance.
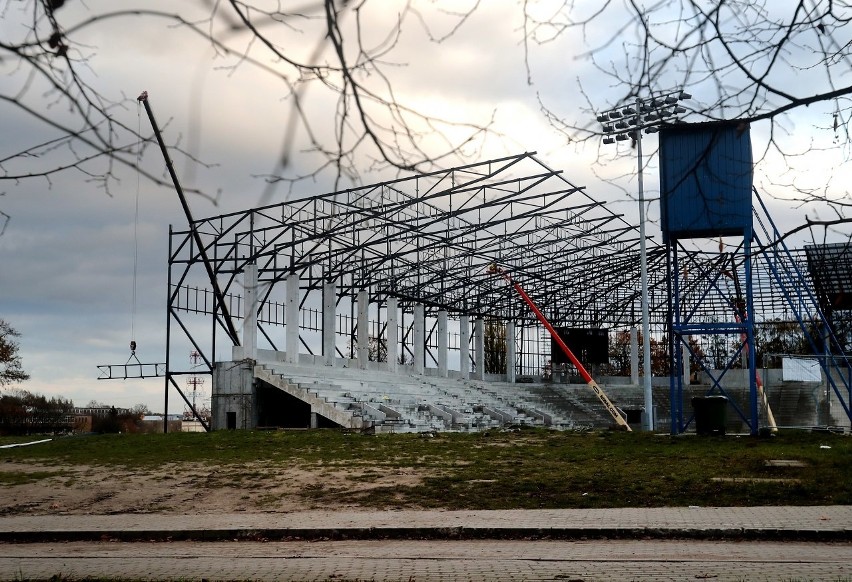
(753, 56)
(755, 60)
(334, 50)
(11, 370)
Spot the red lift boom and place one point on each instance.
(610, 407)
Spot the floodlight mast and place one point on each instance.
(610, 407)
(648, 114)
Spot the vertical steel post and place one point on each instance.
(748, 320)
(674, 322)
(168, 337)
(648, 420)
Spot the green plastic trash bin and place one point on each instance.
(711, 414)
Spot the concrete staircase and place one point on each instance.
(337, 410)
(388, 402)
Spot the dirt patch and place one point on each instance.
(57, 489)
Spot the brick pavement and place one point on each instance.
(424, 561)
(785, 522)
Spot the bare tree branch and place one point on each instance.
(51, 84)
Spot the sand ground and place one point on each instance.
(33, 488)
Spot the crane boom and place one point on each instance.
(211, 274)
(610, 407)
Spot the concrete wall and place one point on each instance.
(233, 392)
(264, 355)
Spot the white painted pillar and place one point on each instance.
(464, 346)
(250, 312)
(392, 334)
(329, 322)
(510, 352)
(443, 344)
(363, 338)
(479, 348)
(418, 342)
(634, 356)
(291, 319)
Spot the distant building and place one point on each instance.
(154, 422)
(159, 417)
(191, 426)
(99, 411)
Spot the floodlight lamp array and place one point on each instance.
(623, 123)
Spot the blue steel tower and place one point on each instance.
(706, 193)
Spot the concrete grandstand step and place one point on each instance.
(422, 402)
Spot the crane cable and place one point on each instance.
(136, 236)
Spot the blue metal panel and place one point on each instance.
(705, 179)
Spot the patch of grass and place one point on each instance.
(267, 500)
(499, 470)
(366, 477)
(12, 478)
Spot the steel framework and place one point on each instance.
(759, 281)
(429, 240)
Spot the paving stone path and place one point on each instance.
(750, 543)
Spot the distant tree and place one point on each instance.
(718, 352)
(140, 410)
(660, 359)
(13, 414)
(117, 422)
(697, 358)
(619, 354)
(495, 346)
(11, 370)
(378, 349)
(22, 412)
(775, 338)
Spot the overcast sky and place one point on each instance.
(67, 254)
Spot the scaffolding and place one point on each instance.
(428, 240)
(424, 240)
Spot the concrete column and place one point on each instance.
(329, 321)
(363, 329)
(684, 351)
(479, 348)
(464, 346)
(418, 342)
(314, 420)
(510, 352)
(443, 344)
(392, 334)
(291, 319)
(250, 305)
(634, 356)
